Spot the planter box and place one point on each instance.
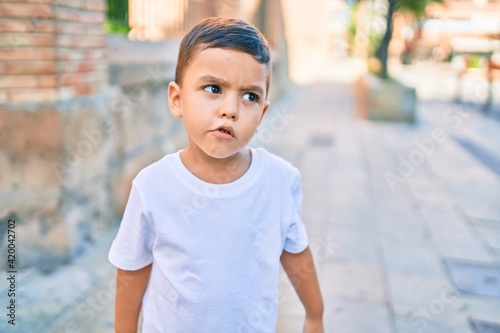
(380, 99)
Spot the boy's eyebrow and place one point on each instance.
(224, 83)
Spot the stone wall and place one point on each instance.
(54, 158)
(80, 114)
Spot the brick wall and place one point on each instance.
(54, 157)
(51, 50)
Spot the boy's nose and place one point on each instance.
(229, 109)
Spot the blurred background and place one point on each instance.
(390, 109)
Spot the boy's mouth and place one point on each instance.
(226, 129)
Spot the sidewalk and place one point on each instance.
(421, 257)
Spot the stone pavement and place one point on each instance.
(418, 253)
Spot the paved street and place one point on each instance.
(419, 253)
(422, 256)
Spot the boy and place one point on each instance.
(205, 228)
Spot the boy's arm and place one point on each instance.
(130, 287)
(301, 272)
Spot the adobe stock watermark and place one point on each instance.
(278, 122)
(89, 309)
(419, 320)
(453, 119)
(322, 249)
(92, 139)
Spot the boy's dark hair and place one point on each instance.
(226, 33)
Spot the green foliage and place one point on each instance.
(476, 61)
(417, 7)
(116, 28)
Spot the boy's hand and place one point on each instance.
(313, 326)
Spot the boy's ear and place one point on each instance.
(174, 99)
(264, 110)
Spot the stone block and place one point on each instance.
(79, 4)
(420, 295)
(25, 10)
(15, 39)
(76, 28)
(385, 100)
(17, 81)
(131, 166)
(134, 114)
(75, 15)
(83, 41)
(35, 141)
(87, 147)
(352, 280)
(431, 324)
(353, 316)
(97, 5)
(31, 67)
(27, 53)
(47, 81)
(32, 95)
(31, 209)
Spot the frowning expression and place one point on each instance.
(222, 99)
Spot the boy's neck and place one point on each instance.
(216, 170)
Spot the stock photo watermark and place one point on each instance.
(453, 119)
(11, 272)
(93, 139)
(419, 320)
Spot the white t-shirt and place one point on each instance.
(215, 249)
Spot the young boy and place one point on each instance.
(205, 228)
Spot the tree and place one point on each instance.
(417, 7)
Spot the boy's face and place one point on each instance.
(221, 100)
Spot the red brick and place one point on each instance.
(26, 10)
(70, 54)
(75, 15)
(80, 66)
(26, 25)
(11, 25)
(3, 96)
(98, 5)
(26, 53)
(32, 95)
(30, 67)
(18, 81)
(72, 3)
(91, 66)
(45, 54)
(26, 39)
(82, 78)
(47, 81)
(77, 28)
(81, 41)
(80, 54)
(86, 89)
(72, 79)
(32, 1)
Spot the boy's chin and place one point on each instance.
(222, 154)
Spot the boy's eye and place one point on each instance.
(251, 97)
(212, 89)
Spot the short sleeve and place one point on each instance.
(132, 246)
(296, 238)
